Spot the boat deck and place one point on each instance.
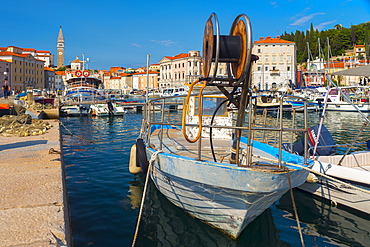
(175, 143)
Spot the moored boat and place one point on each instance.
(107, 109)
(357, 97)
(78, 95)
(204, 165)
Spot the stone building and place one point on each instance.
(178, 70)
(276, 66)
(25, 70)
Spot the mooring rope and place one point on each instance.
(151, 161)
(295, 210)
(316, 172)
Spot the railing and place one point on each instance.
(282, 132)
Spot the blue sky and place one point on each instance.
(122, 33)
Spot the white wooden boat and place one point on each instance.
(203, 164)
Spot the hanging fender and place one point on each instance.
(141, 157)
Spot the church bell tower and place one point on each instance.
(60, 49)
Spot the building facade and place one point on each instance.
(276, 66)
(142, 80)
(178, 70)
(45, 56)
(25, 71)
(49, 81)
(5, 76)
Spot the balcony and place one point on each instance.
(275, 72)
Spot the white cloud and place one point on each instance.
(274, 4)
(322, 25)
(137, 45)
(303, 20)
(167, 43)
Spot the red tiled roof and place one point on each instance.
(144, 73)
(272, 40)
(115, 77)
(28, 49)
(60, 72)
(181, 55)
(335, 65)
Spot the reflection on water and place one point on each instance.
(164, 224)
(105, 198)
(323, 219)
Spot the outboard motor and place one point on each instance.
(110, 108)
(325, 146)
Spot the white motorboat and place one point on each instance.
(107, 109)
(335, 101)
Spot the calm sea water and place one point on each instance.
(104, 197)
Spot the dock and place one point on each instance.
(33, 196)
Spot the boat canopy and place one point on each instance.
(363, 70)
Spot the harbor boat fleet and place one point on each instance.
(220, 163)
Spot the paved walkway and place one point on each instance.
(33, 201)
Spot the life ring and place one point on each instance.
(141, 158)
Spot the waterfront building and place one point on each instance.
(122, 83)
(178, 70)
(141, 80)
(155, 67)
(45, 56)
(25, 70)
(276, 67)
(5, 68)
(126, 82)
(49, 81)
(60, 77)
(60, 49)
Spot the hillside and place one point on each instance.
(340, 40)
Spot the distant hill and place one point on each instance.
(340, 40)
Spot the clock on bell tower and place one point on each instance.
(60, 49)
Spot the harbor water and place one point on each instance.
(104, 197)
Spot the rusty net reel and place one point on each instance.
(234, 49)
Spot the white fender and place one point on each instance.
(132, 166)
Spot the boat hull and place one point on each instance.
(339, 193)
(224, 196)
(342, 106)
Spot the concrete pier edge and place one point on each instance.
(34, 209)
